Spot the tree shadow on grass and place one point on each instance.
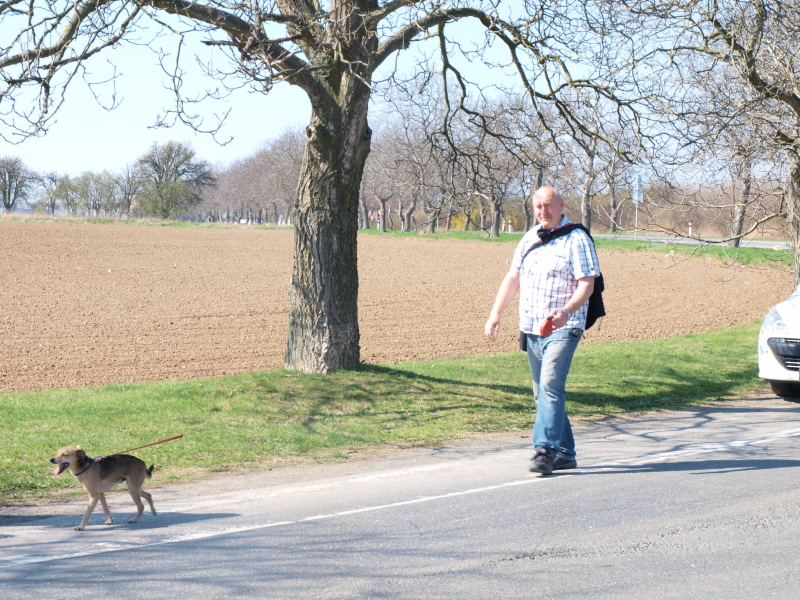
(383, 404)
(670, 388)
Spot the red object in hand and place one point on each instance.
(547, 327)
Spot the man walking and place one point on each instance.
(555, 281)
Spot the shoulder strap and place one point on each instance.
(556, 233)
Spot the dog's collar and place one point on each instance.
(86, 468)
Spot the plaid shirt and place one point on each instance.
(549, 276)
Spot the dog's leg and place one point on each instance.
(134, 492)
(149, 499)
(88, 513)
(109, 520)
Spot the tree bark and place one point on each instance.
(323, 296)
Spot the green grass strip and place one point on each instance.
(275, 417)
(756, 257)
(759, 257)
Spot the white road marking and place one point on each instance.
(25, 560)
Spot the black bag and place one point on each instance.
(596, 307)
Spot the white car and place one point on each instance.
(779, 347)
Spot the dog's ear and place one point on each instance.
(80, 453)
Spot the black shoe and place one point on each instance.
(542, 461)
(560, 463)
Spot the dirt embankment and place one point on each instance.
(95, 304)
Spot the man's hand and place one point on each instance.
(559, 317)
(507, 291)
(492, 327)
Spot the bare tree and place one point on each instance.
(129, 182)
(260, 187)
(418, 163)
(171, 179)
(590, 175)
(492, 166)
(741, 172)
(380, 180)
(16, 181)
(614, 174)
(746, 54)
(97, 192)
(67, 194)
(48, 193)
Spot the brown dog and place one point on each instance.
(100, 475)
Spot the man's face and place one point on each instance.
(549, 208)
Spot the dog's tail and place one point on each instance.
(150, 471)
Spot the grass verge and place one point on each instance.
(261, 419)
(759, 257)
(756, 257)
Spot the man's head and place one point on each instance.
(548, 207)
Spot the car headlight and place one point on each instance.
(773, 321)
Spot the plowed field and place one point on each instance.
(85, 304)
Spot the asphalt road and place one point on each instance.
(700, 503)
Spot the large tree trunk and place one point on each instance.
(323, 297)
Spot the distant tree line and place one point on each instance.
(165, 182)
(472, 174)
(258, 189)
(419, 178)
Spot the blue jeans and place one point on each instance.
(550, 359)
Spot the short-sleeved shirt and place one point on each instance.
(549, 276)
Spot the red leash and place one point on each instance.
(140, 447)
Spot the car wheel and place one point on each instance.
(785, 389)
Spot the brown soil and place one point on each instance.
(87, 305)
